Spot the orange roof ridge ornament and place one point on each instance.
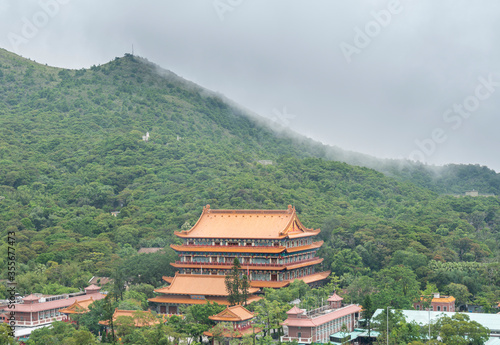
(234, 224)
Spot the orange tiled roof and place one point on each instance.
(279, 284)
(168, 279)
(334, 298)
(248, 224)
(78, 307)
(198, 284)
(93, 287)
(31, 298)
(187, 300)
(304, 264)
(136, 315)
(315, 277)
(295, 311)
(269, 284)
(235, 313)
(442, 299)
(313, 245)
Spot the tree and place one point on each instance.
(460, 292)
(222, 331)
(427, 295)
(197, 318)
(398, 288)
(460, 330)
(360, 288)
(5, 337)
(368, 311)
(244, 288)
(400, 331)
(233, 283)
(348, 261)
(61, 333)
(270, 315)
(108, 312)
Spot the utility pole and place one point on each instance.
(388, 325)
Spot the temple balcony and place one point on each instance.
(41, 321)
(253, 266)
(299, 340)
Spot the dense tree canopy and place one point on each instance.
(71, 152)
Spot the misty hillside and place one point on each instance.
(71, 151)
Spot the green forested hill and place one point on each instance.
(71, 151)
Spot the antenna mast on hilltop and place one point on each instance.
(132, 49)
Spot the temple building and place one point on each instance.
(273, 246)
(438, 303)
(39, 310)
(189, 289)
(238, 319)
(317, 325)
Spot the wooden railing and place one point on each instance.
(244, 264)
(41, 321)
(299, 340)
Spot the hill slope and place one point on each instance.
(71, 151)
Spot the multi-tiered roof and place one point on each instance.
(273, 247)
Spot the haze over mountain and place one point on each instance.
(72, 151)
(385, 97)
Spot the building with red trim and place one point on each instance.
(189, 289)
(438, 303)
(317, 325)
(38, 310)
(239, 320)
(273, 246)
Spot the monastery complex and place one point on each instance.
(273, 247)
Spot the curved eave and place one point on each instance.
(314, 245)
(179, 299)
(269, 284)
(183, 234)
(168, 279)
(315, 277)
(304, 234)
(228, 249)
(305, 264)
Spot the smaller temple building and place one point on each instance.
(316, 326)
(37, 310)
(438, 303)
(41, 310)
(239, 321)
(189, 289)
(78, 307)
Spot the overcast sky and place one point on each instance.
(394, 79)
